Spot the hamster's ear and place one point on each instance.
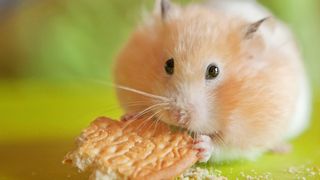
(252, 29)
(253, 41)
(164, 8)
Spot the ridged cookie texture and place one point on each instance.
(135, 149)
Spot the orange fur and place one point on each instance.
(252, 101)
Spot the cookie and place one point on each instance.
(135, 149)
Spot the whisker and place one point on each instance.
(195, 136)
(133, 102)
(136, 91)
(154, 114)
(142, 93)
(113, 107)
(146, 111)
(220, 138)
(158, 119)
(162, 108)
(149, 119)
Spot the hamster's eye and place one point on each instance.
(169, 66)
(212, 71)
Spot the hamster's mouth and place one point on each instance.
(180, 128)
(193, 134)
(175, 120)
(179, 124)
(175, 127)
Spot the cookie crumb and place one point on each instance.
(197, 173)
(304, 171)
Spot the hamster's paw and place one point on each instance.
(127, 117)
(204, 145)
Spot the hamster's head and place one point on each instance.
(198, 60)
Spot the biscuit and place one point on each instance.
(135, 149)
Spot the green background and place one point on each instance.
(55, 53)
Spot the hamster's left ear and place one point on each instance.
(165, 9)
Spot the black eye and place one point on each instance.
(212, 72)
(169, 66)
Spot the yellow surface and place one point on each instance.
(64, 40)
(40, 121)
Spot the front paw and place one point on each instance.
(204, 145)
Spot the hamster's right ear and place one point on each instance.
(165, 9)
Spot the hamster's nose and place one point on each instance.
(181, 116)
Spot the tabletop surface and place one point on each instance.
(39, 123)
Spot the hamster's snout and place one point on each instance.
(182, 115)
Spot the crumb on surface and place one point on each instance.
(197, 173)
(254, 175)
(305, 171)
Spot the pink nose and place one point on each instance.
(181, 116)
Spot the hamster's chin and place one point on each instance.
(201, 130)
(175, 126)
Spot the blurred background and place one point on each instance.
(55, 56)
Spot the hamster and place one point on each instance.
(227, 71)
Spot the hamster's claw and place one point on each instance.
(204, 145)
